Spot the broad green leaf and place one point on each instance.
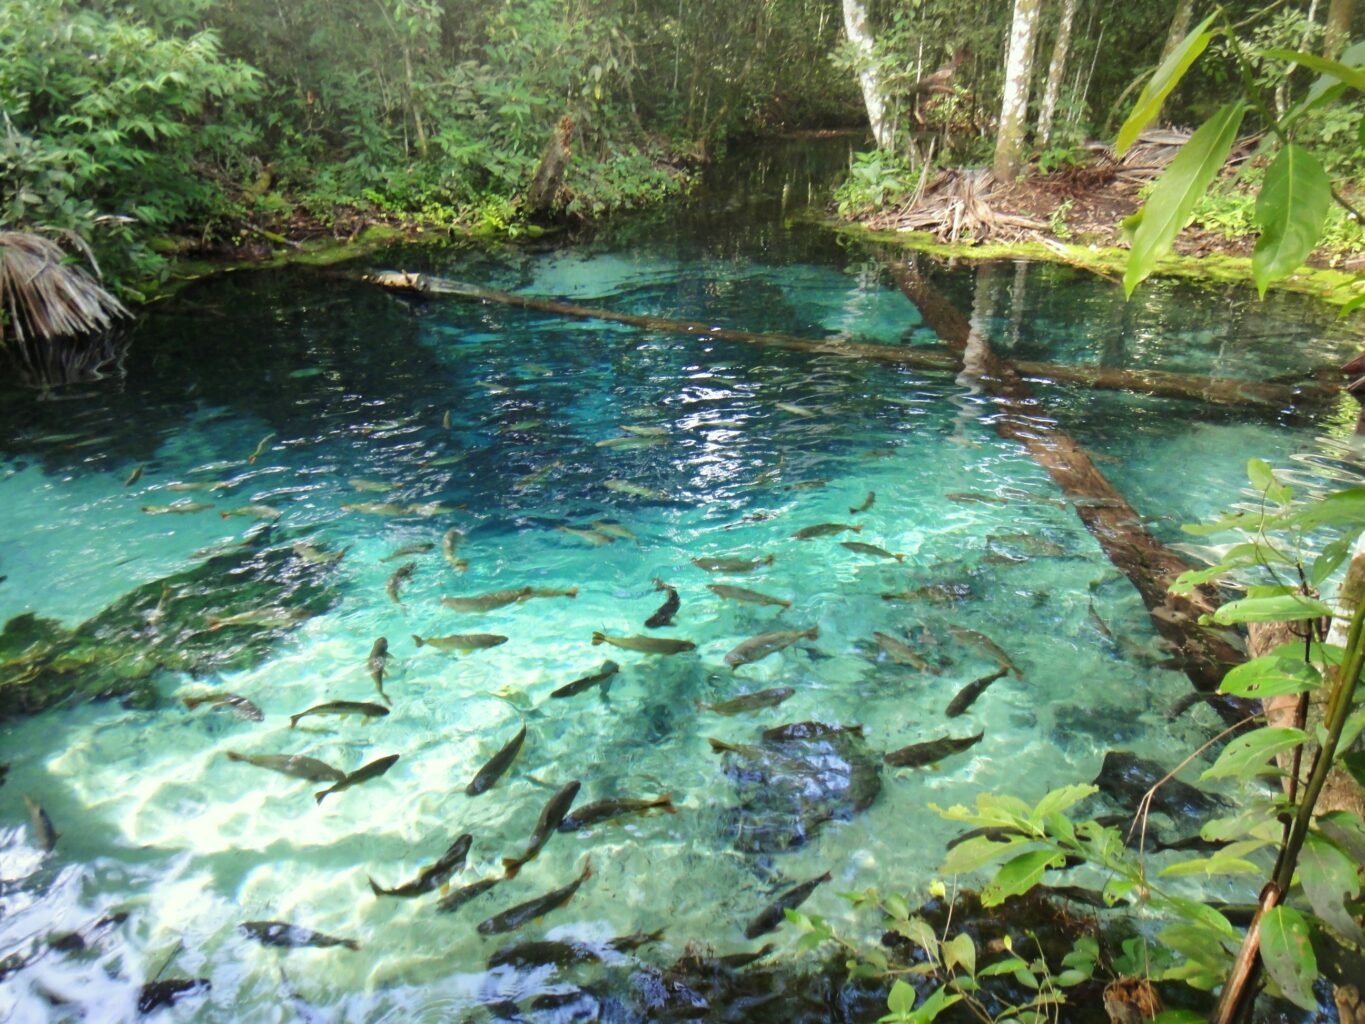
(934, 1005)
(1280, 608)
(1155, 226)
(1059, 800)
(897, 907)
(1194, 942)
(1354, 763)
(918, 931)
(1270, 676)
(977, 852)
(1329, 880)
(1330, 560)
(1007, 966)
(901, 998)
(1288, 955)
(960, 949)
(1346, 830)
(1260, 474)
(1354, 77)
(1180, 1017)
(1211, 866)
(1290, 211)
(1351, 305)
(808, 942)
(1343, 508)
(1163, 80)
(1249, 755)
(1235, 521)
(1018, 876)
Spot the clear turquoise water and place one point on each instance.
(353, 383)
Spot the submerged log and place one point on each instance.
(1153, 382)
(1114, 523)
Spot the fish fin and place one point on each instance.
(826, 877)
(351, 944)
(813, 632)
(857, 528)
(899, 558)
(374, 886)
(294, 720)
(232, 755)
(445, 889)
(587, 871)
(665, 804)
(319, 797)
(571, 592)
(417, 640)
(512, 866)
(597, 638)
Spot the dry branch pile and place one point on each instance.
(44, 296)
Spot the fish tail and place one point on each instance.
(587, 871)
(767, 561)
(665, 804)
(571, 592)
(374, 887)
(858, 528)
(813, 632)
(899, 558)
(192, 702)
(719, 746)
(294, 720)
(512, 865)
(598, 638)
(826, 877)
(319, 797)
(351, 944)
(417, 640)
(232, 755)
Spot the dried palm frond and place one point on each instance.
(43, 296)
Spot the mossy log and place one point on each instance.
(1193, 387)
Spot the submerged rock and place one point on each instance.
(226, 613)
(1125, 778)
(789, 788)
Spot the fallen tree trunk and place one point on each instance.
(1153, 382)
(1150, 565)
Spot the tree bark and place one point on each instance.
(1338, 33)
(1180, 27)
(1055, 70)
(1009, 144)
(549, 175)
(860, 35)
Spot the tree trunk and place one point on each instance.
(1339, 13)
(855, 23)
(540, 197)
(1055, 70)
(1180, 27)
(1009, 144)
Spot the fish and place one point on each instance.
(260, 449)
(983, 643)
(593, 537)
(373, 770)
(824, 530)
(369, 486)
(542, 952)
(179, 508)
(291, 936)
(635, 490)
(734, 961)
(775, 913)
(243, 707)
(644, 431)
(919, 754)
(459, 897)
(614, 530)
(375, 508)
(870, 549)
(1030, 543)
(487, 602)
(427, 509)
(134, 476)
(183, 486)
(377, 663)
(723, 424)
(164, 992)
(934, 593)
(750, 701)
(497, 764)
(462, 642)
(400, 576)
(449, 543)
(902, 653)
(264, 618)
(795, 410)
(604, 810)
(420, 547)
(645, 644)
(631, 441)
(733, 564)
(442, 460)
(291, 764)
(548, 592)
(853, 510)
(314, 555)
(759, 647)
(608, 669)
(745, 596)
(664, 615)
(967, 497)
(433, 876)
(45, 836)
(550, 817)
(252, 511)
(515, 917)
(534, 477)
(341, 707)
(521, 426)
(806, 731)
(968, 694)
(805, 485)
(1099, 624)
(445, 420)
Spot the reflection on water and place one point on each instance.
(322, 418)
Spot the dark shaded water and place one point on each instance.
(365, 423)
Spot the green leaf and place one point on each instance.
(918, 931)
(1329, 880)
(977, 852)
(1007, 966)
(1330, 560)
(1354, 763)
(1343, 508)
(1018, 876)
(1351, 305)
(1180, 1017)
(808, 942)
(1281, 608)
(1353, 77)
(1211, 866)
(1290, 211)
(960, 950)
(1346, 830)
(1263, 477)
(1270, 676)
(1163, 80)
(1249, 754)
(1288, 955)
(1059, 800)
(897, 907)
(901, 1000)
(1155, 226)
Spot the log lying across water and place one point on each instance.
(1150, 565)
(1220, 391)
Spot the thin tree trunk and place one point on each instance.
(1009, 146)
(1339, 14)
(855, 24)
(1180, 27)
(1056, 69)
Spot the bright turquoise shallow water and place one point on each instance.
(353, 383)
